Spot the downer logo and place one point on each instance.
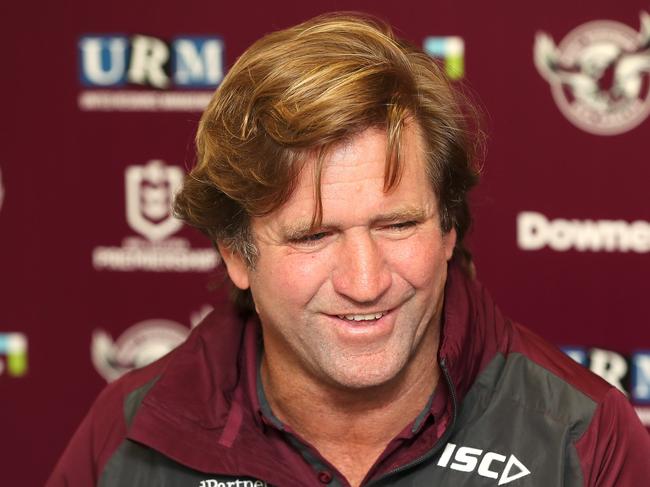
(490, 464)
(535, 231)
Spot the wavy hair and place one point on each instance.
(302, 90)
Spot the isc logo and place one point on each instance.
(112, 61)
(491, 465)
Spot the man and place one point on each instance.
(333, 171)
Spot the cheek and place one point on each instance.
(420, 260)
(291, 277)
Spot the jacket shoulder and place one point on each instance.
(104, 427)
(550, 358)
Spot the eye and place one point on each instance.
(311, 239)
(401, 225)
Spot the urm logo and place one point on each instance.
(114, 61)
(466, 459)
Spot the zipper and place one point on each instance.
(441, 441)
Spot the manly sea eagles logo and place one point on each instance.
(149, 193)
(138, 346)
(599, 74)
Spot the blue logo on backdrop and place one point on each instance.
(112, 61)
(640, 381)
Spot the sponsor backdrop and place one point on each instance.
(101, 102)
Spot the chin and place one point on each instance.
(364, 375)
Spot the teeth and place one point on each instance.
(369, 317)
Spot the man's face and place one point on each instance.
(348, 303)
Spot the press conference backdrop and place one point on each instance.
(100, 104)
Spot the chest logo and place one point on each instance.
(232, 483)
(486, 463)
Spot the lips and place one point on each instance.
(363, 317)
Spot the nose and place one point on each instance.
(361, 273)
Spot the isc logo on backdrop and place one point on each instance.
(145, 73)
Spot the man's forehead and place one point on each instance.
(354, 173)
(368, 151)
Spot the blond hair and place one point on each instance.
(299, 91)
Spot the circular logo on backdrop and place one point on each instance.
(138, 346)
(599, 74)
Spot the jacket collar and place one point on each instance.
(204, 401)
(471, 328)
(206, 398)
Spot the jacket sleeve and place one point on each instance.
(96, 438)
(615, 449)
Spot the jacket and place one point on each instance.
(510, 409)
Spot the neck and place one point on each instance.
(354, 426)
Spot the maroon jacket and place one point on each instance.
(511, 410)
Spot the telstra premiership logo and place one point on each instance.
(14, 347)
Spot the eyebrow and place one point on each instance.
(300, 228)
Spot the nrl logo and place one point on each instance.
(599, 74)
(149, 193)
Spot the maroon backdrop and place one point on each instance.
(100, 104)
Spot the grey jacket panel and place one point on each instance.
(134, 399)
(517, 426)
(134, 465)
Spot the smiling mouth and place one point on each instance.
(363, 317)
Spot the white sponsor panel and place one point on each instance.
(149, 193)
(536, 231)
(579, 67)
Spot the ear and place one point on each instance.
(449, 242)
(235, 265)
